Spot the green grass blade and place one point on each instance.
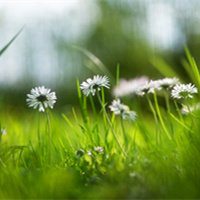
(117, 73)
(98, 64)
(193, 68)
(164, 68)
(10, 42)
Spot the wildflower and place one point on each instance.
(99, 149)
(153, 85)
(120, 109)
(168, 82)
(89, 153)
(187, 109)
(41, 98)
(91, 86)
(142, 85)
(180, 91)
(3, 131)
(133, 86)
(165, 83)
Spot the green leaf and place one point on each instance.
(10, 42)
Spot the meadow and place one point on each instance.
(102, 149)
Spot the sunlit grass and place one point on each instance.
(90, 152)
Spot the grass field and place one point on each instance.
(76, 154)
(91, 152)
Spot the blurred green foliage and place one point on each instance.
(118, 38)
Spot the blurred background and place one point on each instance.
(52, 49)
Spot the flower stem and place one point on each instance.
(110, 124)
(178, 111)
(160, 116)
(155, 117)
(124, 132)
(49, 134)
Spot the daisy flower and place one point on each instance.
(41, 98)
(91, 86)
(142, 85)
(120, 109)
(188, 109)
(169, 82)
(133, 86)
(165, 83)
(181, 91)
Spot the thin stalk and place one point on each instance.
(38, 131)
(103, 103)
(49, 135)
(93, 106)
(155, 117)
(178, 111)
(133, 141)
(160, 116)
(190, 112)
(166, 95)
(181, 123)
(110, 124)
(123, 131)
(167, 101)
(108, 130)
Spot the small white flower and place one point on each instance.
(3, 131)
(142, 85)
(130, 87)
(41, 98)
(120, 109)
(129, 115)
(188, 109)
(117, 107)
(154, 85)
(89, 153)
(180, 91)
(99, 149)
(169, 82)
(90, 86)
(165, 83)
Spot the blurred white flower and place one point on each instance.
(120, 109)
(99, 149)
(89, 153)
(168, 82)
(165, 83)
(90, 86)
(180, 91)
(41, 98)
(153, 85)
(133, 86)
(3, 131)
(129, 115)
(142, 85)
(117, 107)
(187, 109)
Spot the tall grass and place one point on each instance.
(91, 153)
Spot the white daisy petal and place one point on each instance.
(131, 87)
(183, 91)
(120, 109)
(41, 98)
(90, 86)
(142, 85)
